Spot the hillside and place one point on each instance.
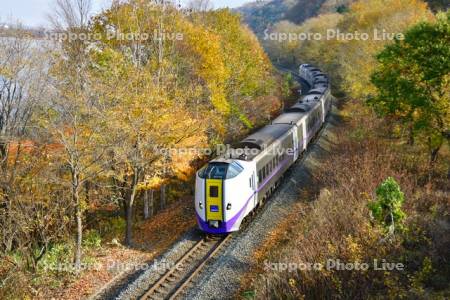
(261, 15)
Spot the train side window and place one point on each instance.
(250, 182)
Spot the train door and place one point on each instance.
(305, 135)
(253, 188)
(324, 108)
(296, 141)
(214, 200)
(301, 139)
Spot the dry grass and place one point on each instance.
(338, 225)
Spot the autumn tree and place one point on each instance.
(32, 208)
(74, 117)
(249, 84)
(357, 57)
(413, 82)
(137, 86)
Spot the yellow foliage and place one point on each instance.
(209, 65)
(357, 57)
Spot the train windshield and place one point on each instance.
(218, 170)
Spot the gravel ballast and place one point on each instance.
(221, 279)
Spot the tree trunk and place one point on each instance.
(152, 204)
(146, 196)
(129, 209)
(434, 151)
(87, 189)
(3, 154)
(78, 220)
(434, 155)
(410, 136)
(129, 221)
(163, 196)
(161, 43)
(148, 204)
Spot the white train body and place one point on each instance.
(230, 187)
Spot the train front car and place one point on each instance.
(224, 194)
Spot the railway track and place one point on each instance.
(177, 278)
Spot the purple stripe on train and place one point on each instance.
(227, 226)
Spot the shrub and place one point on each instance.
(57, 259)
(92, 239)
(387, 209)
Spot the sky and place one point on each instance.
(34, 12)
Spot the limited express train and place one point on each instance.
(233, 185)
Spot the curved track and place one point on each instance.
(179, 278)
(176, 279)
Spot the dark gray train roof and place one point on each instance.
(253, 145)
(319, 74)
(263, 137)
(289, 118)
(321, 81)
(301, 107)
(309, 67)
(320, 86)
(318, 90)
(310, 98)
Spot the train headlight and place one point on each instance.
(200, 205)
(228, 206)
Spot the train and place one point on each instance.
(235, 184)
